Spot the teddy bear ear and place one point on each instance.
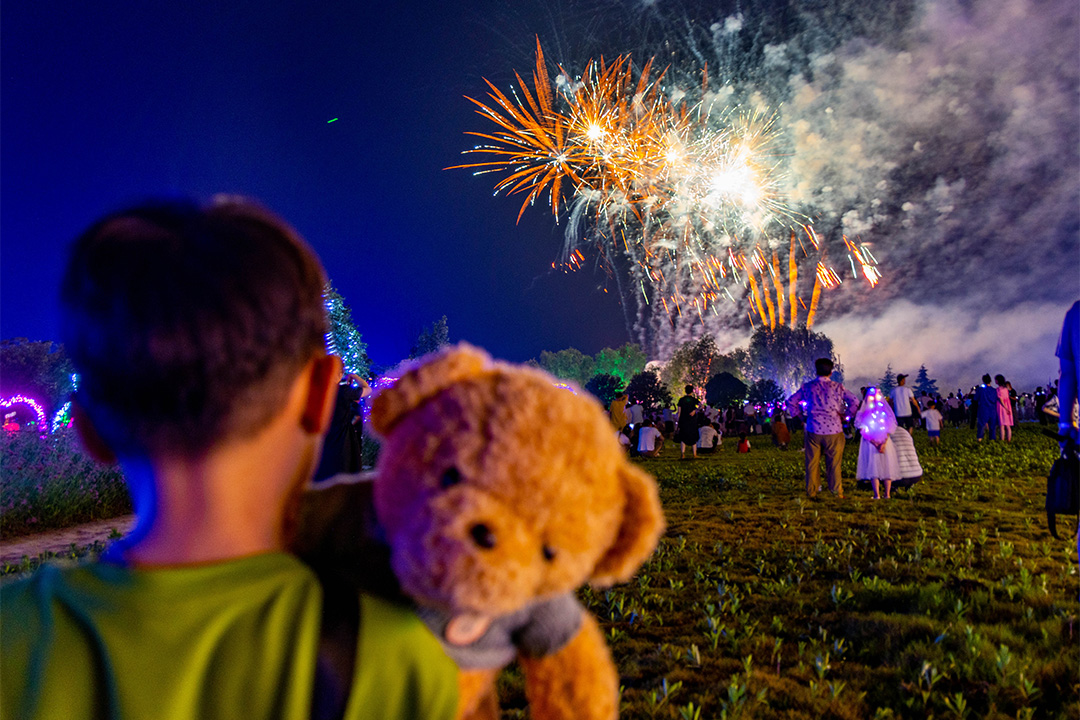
(432, 375)
(642, 525)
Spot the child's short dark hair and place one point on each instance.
(187, 323)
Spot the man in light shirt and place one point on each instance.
(650, 440)
(903, 402)
(708, 438)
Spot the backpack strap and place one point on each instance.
(336, 659)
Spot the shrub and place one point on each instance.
(48, 482)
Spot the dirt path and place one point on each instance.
(12, 551)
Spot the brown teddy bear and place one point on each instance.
(498, 495)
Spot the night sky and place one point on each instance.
(108, 103)
(951, 144)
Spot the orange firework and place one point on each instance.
(670, 186)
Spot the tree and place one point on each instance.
(764, 392)
(923, 383)
(646, 388)
(887, 381)
(786, 355)
(725, 390)
(431, 339)
(568, 364)
(344, 339)
(37, 369)
(694, 363)
(624, 362)
(604, 387)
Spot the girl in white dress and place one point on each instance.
(877, 454)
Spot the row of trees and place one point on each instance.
(922, 384)
(572, 364)
(774, 364)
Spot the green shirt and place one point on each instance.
(236, 639)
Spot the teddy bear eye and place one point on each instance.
(450, 478)
(549, 553)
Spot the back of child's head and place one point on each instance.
(824, 367)
(187, 324)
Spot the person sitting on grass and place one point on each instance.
(650, 440)
(744, 444)
(907, 459)
(198, 333)
(708, 438)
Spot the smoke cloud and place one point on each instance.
(957, 346)
(955, 157)
(951, 151)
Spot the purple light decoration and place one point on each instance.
(565, 386)
(10, 402)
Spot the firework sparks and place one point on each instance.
(682, 195)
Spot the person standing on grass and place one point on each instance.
(933, 421)
(1004, 410)
(617, 411)
(878, 461)
(986, 413)
(635, 415)
(781, 434)
(198, 334)
(825, 404)
(904, 405)
(689, 407)
(1068, 353)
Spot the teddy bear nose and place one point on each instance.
(482, 536)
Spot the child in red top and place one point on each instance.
(744, 444)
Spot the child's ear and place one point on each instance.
(324, 373)
(88, 434)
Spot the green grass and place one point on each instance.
(951, 600)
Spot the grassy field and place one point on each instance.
(951, 600)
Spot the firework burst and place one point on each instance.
(677, 197)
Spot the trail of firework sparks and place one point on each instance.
(685, 193)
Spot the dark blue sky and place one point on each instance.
(107, 103)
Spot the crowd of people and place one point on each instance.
(882, 423)
(698, 428)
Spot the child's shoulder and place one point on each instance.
(401, 668)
